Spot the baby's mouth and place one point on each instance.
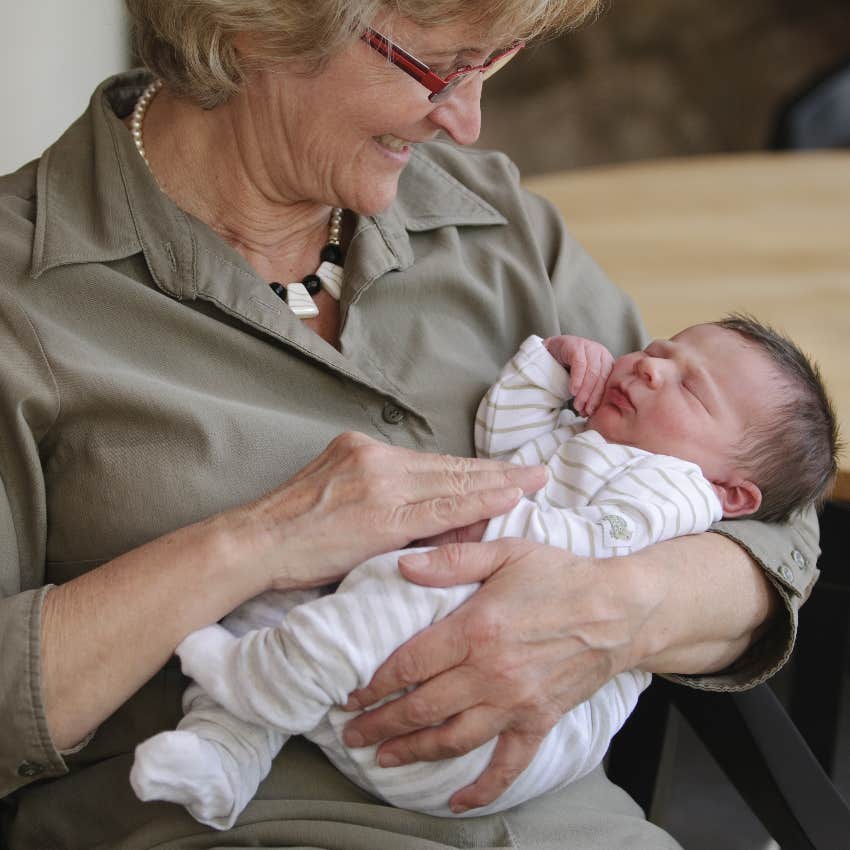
(620, 399)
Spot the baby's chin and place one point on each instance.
(596, 422)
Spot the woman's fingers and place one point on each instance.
(361, 497)
(388, 477)
(440, 647)
(442, 476)
(457, 563)
(439, 514)
(459, 735)
(433, 516)
(466, 534)
(514, 752)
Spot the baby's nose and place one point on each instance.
(652, 371)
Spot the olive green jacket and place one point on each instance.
(149, 378)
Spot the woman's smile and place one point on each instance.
(394, 143)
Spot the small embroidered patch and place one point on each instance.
(617, 528)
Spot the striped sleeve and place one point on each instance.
(593, 507)
(524, 404)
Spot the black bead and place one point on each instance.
(278, 290)
(312, 283)
(331, 254)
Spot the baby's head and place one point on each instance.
(739, 400)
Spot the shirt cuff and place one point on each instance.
(545, 371)
(26, 750)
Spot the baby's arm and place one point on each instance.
(528, 400)
(653, 498)
(525, 403)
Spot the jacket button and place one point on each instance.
(785, 572)
(29, 769)
(799, 559)
(392, 414)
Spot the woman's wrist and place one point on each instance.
(639, 585)
(704, 600)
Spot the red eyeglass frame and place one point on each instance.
(440, 88)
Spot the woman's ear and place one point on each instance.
(739, 499)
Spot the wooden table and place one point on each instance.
(693, 239)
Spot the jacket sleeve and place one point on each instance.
(28, 407)
(590, 305)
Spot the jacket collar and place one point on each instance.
(97, 201)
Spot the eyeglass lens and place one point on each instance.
(495, 64)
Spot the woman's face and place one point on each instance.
(343, 136)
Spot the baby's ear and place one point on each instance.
(739, 499)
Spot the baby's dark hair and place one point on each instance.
(792, 452)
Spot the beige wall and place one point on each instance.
(52, 54)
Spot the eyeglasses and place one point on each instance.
(440, 88)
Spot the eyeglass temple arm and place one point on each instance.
(405, 60)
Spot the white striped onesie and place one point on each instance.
(281, 663)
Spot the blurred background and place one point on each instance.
(650, 79)
(656, 78)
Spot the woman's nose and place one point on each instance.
(460, 114)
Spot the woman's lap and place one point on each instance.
(305, 802)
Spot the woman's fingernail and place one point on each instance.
(414, 561)
(389, 760)
(353, 738)
(459, 808)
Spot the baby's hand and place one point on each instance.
(590, 365)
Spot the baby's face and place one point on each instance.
(692, 396)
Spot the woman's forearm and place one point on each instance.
(105, 633)
(709, 601)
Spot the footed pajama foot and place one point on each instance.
(180, 767)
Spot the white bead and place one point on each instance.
(331, 276)
(300, 302)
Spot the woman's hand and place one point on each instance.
(542, 634)
(361, 497)
(358, 498)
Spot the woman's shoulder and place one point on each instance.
(17, 193)
(17, 221)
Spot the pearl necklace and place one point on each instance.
(298, 294)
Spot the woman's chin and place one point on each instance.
(376, 200)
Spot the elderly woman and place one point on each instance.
(249, 308)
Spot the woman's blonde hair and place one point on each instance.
(190, 43)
